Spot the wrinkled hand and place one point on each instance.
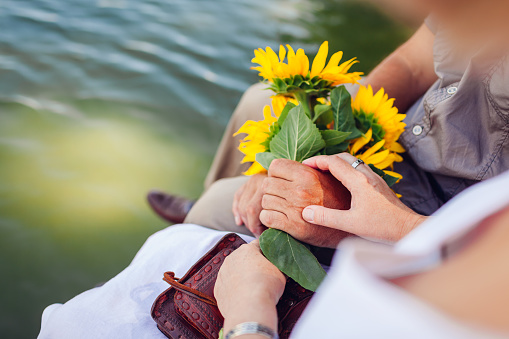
(248, 287)
(247, 204)
(289, 189)
(375, 210)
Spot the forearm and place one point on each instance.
(252, 308)
(394, 75)
(408, 72)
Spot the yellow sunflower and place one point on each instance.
(279, 102)
(259, 131)
(272, 66)
(377, 112)
(376, 155)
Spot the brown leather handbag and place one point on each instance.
(188, 309)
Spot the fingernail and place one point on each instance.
(308, 214)
(237, 220)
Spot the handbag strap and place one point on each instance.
(169, 277)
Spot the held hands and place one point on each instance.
(375, 210)
(300, 199)
(291, 187)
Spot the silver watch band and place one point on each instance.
(251, 328)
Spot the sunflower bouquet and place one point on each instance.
(312, 113)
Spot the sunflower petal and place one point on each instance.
(282, 53)
(333, 62)
(361, 142)
(320, 59)
(255, 168)
(372, 150)
(397, 147)
(394, 174)
(375, 158)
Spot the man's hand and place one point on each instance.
(291, 187)
(247, 204)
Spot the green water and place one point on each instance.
(101, 101)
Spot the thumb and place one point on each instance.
(327, 217)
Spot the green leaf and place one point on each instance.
(333, 138)
(340, 148)
(284, 113)
(344, 121)
(389, 179)
(265, 159)
(320, 110)
(292, 258)
(298, 139)
(324, 120)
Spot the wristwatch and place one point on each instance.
(251, 328)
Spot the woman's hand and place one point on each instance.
(375, 210)
(247, 204)
(248, 288)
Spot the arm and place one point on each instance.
(407, 73)
(248, 289)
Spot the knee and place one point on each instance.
(252, 102)
(217, 199)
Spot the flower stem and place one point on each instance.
(306, 102)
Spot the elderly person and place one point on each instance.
(452, 89)
(447, 279)
(439, 282)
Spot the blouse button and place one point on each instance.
(452, 90)
(417, 130)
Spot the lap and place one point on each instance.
(214, 208)
(121, 307)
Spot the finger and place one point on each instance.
(274, 203)
(277, 187)
(256, 245)
(285, 169)
(320, 162)
(258, 230)
(342, 170)
(253, 220)
(244, 205)
(235, 207)
(363, 168)
(255, 242)
(274, 219)
(322, 216)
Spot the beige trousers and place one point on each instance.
(214, 208)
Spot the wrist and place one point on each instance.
(412, 221)
(251, 330)
(260, 309)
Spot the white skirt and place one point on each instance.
(121, 307)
